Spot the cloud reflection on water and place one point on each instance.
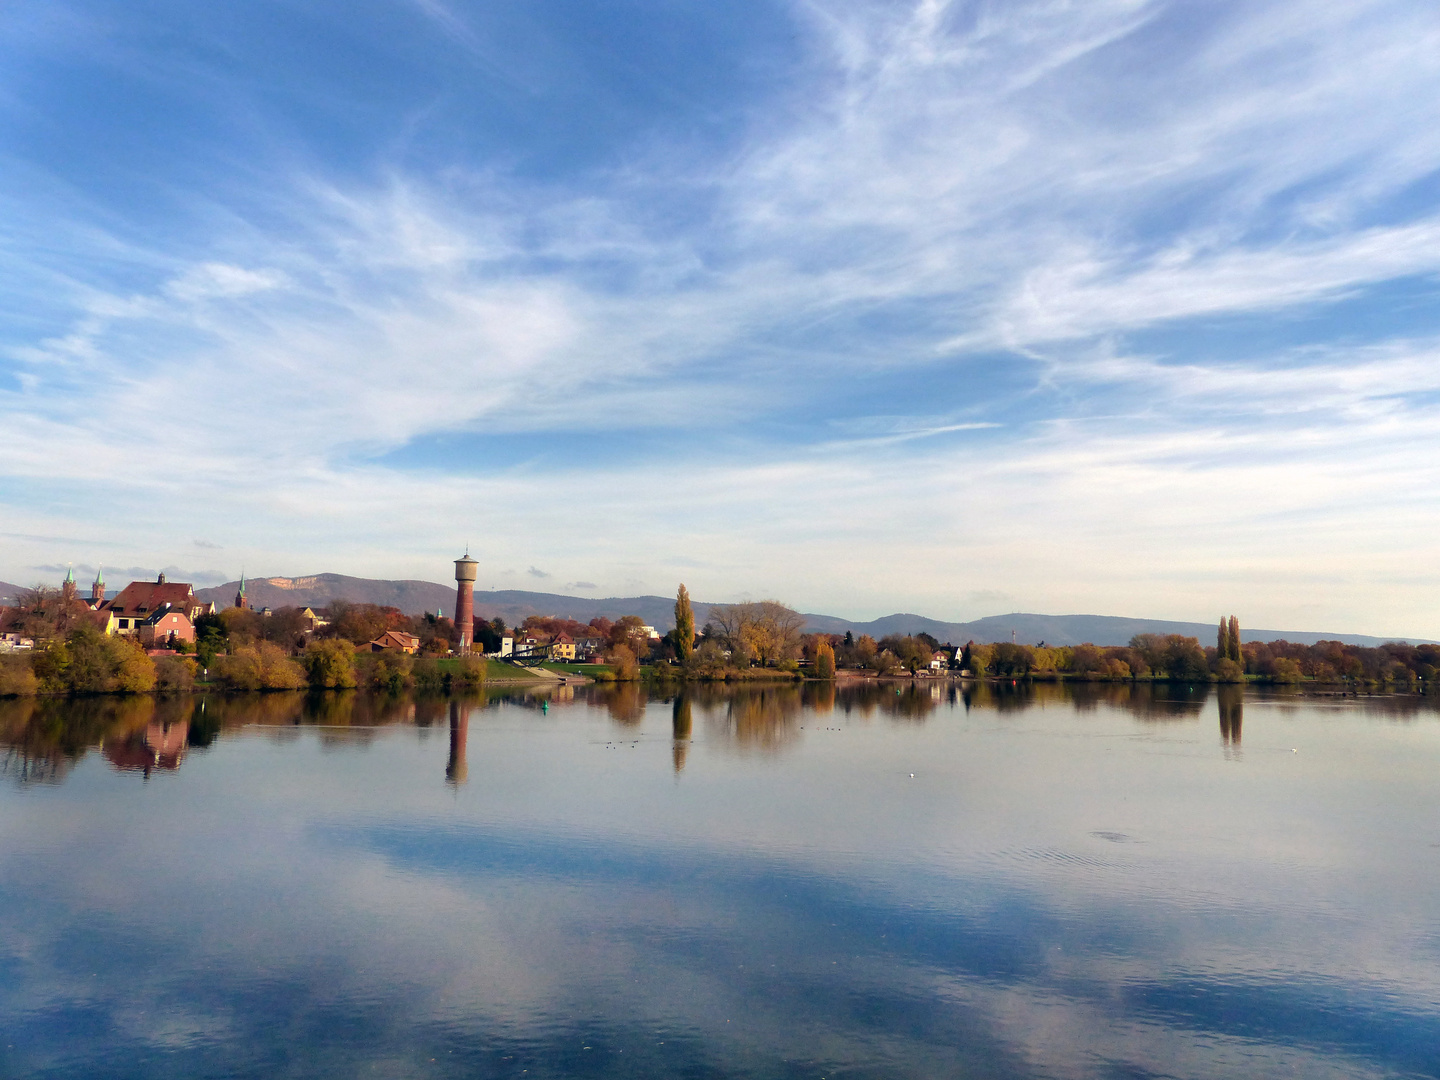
(306, 893)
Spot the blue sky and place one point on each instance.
(1115, 307)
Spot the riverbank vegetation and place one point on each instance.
(760, 641)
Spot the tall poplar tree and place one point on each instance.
(684, 625)
(1235, 653)
(1222, 640)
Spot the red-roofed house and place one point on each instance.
(141, 605)
(396, 640)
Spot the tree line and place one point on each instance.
(246, 649)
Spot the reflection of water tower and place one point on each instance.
(465, 570)
(457, 769)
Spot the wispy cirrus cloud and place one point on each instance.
(954, 241)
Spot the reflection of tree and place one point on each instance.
(1165, 701)
(903, 701)
(819, 696)
(914, 702)
(625, 702)
(1231, 702)
(431, 709)
(764, 717)
(681, 723)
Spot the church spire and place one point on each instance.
(240, 599)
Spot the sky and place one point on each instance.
(1114, 307)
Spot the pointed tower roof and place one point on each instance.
(70, 575)
(99, 575)
(242, 582)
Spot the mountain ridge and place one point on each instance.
(513, 605)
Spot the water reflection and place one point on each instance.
(943, 891)
(457, 770)
(624, 701)
(1231, 703)
(763, 718)
(43, 738)
(682, 722)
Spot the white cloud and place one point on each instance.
(950, 181)
(219, 281)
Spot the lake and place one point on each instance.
(887, 881)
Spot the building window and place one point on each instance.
(124, 624)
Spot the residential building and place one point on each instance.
(14, 642)
(396, 641)
(165, 629)
(562, 648)
(139, 601)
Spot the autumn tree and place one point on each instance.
(90, 662)
(824, 660)
(330, 664)
(684, 625)
(630, 633)
(914, 651)
(623, 662)
(865, 651)
(1234, 653)
(43, 613)
(766, 631)
(363, 623)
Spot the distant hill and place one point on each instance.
(8, 593)
(416, 597)
(513, 605)
(1032, 629)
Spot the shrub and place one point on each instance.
(174, 673)
(885, 662)
(388, 671)
(470, 675)
(90, 662)
(427, 674)
(134, 671)
(262, 666)
(17, 677)
(624, 664)
(706, 662)
(330, 664)
(1228, 671)
(1111, 668)
(1286, 671)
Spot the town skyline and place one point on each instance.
(419, 596)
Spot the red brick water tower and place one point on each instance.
(465, 570)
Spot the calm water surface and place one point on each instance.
(1108, 882)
